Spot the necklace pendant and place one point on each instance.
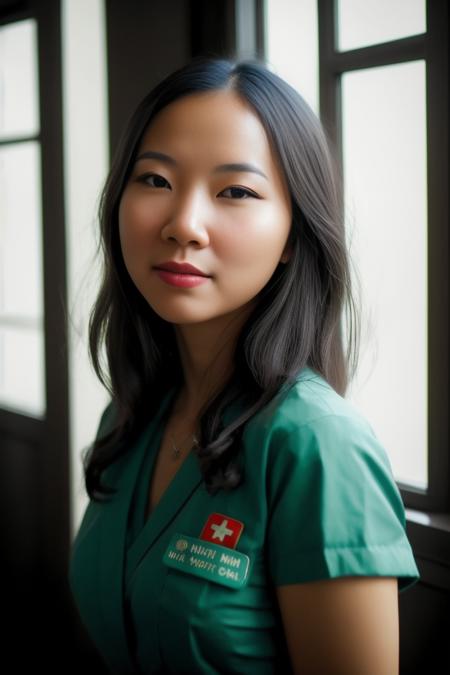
(176, 453)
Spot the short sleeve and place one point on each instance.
(335, 509)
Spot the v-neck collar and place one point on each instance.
(184, 483)
(134, 480)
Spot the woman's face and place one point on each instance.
(205, 189)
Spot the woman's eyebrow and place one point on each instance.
(240, 166)
(152, 154)
(233, 166)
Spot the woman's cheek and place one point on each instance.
(234, 238)
(127, 223)
(138, 223)
(257, 240)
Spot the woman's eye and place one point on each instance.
(154, 180)
(236, 192)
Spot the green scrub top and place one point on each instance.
(192, 588)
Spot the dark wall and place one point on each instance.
(148, 40)
(424, 630)
(145, 42)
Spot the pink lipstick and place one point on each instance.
(182, 275)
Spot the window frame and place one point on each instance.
(432, 47)
(12, 320)
(49, 434)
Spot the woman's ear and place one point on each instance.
(288, 248)
(287, 252)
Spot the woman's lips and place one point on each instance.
(181, 280)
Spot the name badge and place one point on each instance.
(209, 561)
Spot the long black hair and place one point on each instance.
(305, 315)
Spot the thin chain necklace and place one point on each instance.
(176, 451)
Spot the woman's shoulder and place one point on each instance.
(335, 508)
(308, 401)
(308, 421)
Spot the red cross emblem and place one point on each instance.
(222, 530)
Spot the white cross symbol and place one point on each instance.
(221, 531)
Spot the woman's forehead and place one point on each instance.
(220, 121)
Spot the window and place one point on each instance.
(85, 121)
(386, 201)
(361, 24)
(380, 71)
(295, 24)
(22, 361)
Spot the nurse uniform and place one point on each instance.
(192, 588)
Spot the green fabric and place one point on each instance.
(318, 501)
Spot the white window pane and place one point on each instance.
(292, 45)
(384, 146)
(85, 116)
(22, 372)
(20, 231)
(368, 22)
(19, 113)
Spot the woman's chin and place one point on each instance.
(180, 317)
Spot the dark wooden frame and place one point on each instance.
(49, 436)
(227, 28)
(432, 46)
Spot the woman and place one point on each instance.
(243, 516)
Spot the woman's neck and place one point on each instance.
(207, 357)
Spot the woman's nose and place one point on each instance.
(187, 222)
